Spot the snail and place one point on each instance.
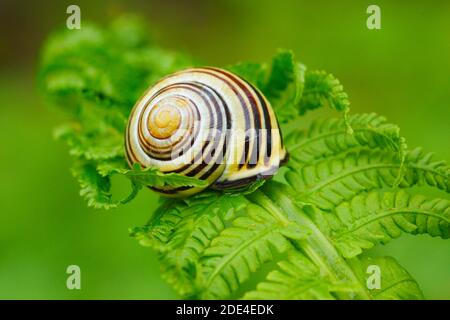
(206, 123)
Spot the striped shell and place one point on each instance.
(206, 123)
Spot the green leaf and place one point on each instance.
(323, 89)
(396, 283)
(239, 250)
(340, 276)
(329, 182)
(94, 178)
(155, 178)
(149, 177)
(285, 72)
(285, 85)
(101, 143)
(161, 226)
(210, 250)
(379, 217)
(296, 278)
(152, 177)
(328, 138)
(95, 188)
(182, 232)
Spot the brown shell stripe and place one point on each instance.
(266, 125)
(248, 112)
(191, 169)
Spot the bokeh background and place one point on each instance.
(401, 71)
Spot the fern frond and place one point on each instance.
(317, 247)
(238, 251)
(295, 278)
(102, 141)
(396, 282)
(183, 231)
(322, 89)
(427, 171)
(322, 273)
(324, 139)
(158, 231)
(286, 78)
(94, 187)
(378, 217)
(209, 256)
(329, 182)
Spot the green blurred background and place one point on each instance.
(401, 71)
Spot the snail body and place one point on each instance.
(206, 123)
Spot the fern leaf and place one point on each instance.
(157, 232)
(102, 141)
(329, 182)
(95, 188)
(317, 247)
(206, 255)
(285, 72)
(238, 251)
(428, 171)
(378, 217)
(395, 282)
(324, 139)
(284, 87)
(183, 232)
(295, 278)
(321, 89)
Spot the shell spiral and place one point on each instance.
(206, 123)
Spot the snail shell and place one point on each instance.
(206, 123)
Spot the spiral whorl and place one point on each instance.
(206, 123)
